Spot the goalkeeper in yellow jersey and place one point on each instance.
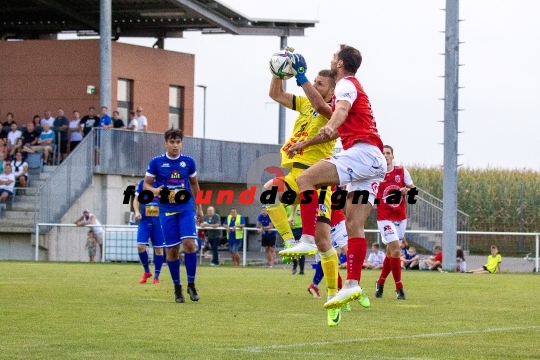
(303, 149)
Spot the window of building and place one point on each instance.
(176, 107)
(125, 98)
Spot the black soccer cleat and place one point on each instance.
(378, 290)
(193, 292)
(178, 295)
(400, 294)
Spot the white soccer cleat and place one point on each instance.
(302, 248)
(344, 296)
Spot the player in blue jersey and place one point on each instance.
(149, 227)
(175, 176)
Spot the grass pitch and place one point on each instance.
(100, 311)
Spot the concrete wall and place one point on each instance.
(104, 199)
(39, 75)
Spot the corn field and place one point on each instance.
(495, 199)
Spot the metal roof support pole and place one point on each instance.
(451, 63)
(105, 67)
(282, 115)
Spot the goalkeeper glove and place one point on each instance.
(299, 65)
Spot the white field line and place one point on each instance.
(399, 337)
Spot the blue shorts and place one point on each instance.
(178, 226)
(234, 246)
(148, 230)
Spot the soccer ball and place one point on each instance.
(281, 65)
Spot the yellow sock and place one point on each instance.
(278, 215)
(329, 263)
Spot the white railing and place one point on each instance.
(133, 228)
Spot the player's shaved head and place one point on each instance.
(351, 58)
(331, 75)
(174, 134)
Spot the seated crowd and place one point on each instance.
(49, 134)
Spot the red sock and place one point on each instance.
(339, 282)
(356, 254)
(395, 265)
(385, 270)
(308, 213)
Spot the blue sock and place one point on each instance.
(144, 260)
(158, 263)
(190, 261)
(174, 269)
(342, 258)
(319, 274)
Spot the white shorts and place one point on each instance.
(339, 235)
(361, 167)
(392, 230)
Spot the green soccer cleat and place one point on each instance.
(288, 244)
(364, 300)
(346, 307)
(334, 317)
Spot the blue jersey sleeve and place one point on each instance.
(192, 168)
(242, 220)
(140, 188)
(152, 168)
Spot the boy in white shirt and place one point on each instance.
(375, 258)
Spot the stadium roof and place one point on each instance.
(28, 19)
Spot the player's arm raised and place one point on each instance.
(278, 94)
(317, 101)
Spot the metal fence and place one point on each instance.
(426, 214)
(66, 184)
(125, 152)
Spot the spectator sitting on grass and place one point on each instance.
(375, 258)
(461, 265)
(493, 264)
(434, 262)
(411, 260)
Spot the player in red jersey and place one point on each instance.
(392, 220)
(361, 166)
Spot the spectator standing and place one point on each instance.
(90, 219)
(118, 123)
(235, 234)
(75, 131)
(13, 135)
(9, 119)
(268, 236)
(89, 121)
(133, 124)
(105, 120)
(90, 246)
(212, 220)
(141, 120)
(36, 120)
(61, 125)
(46, 140)
(7, 183)
(47, 119)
